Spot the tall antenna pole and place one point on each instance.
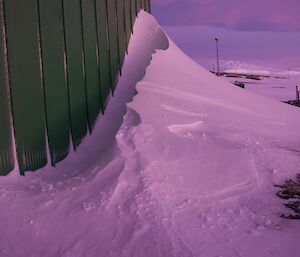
(218, 63)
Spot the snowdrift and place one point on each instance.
(188, 171)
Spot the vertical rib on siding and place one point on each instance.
(55, 81)
(6, 149)
(26, 83)
(121, 30)
(133, 11)
(113, 41)
(104, 51)
(75, 70)
(91, 57)
(148, 6)
(138, 5)
(128, 25)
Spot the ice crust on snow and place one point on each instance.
(185, 169)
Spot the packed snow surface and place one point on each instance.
(282, 88)
(188, 171)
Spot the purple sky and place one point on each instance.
(263, 32)
(269, 48)
(274, 15)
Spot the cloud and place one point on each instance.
(276, 15)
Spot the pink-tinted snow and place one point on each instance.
(188, 172)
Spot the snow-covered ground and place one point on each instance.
(190, 172)
(279, 87)
(278, 83)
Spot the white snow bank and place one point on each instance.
(190, 173)
(210, 154)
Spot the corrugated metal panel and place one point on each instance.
(138, 5)
(26, 83)
(104, 51)
(6, 149)
(121, 30)
(128, 25)
(61, 62)
(133, 11)
(91, 57)
(148, 6)
(113, 41)
(55, 81)
(75, 70)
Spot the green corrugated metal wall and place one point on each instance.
(121, 30)
(6, 156)
(113, 41)
(128, 24)
(91, 57)
(75, 70)
(138, 5)
(59, 62)
(133, 11)
(103, 50)
(21, 20)
(55, 82)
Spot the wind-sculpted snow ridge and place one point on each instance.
(189, 174)
(213, 152)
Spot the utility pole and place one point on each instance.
(218, 63)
